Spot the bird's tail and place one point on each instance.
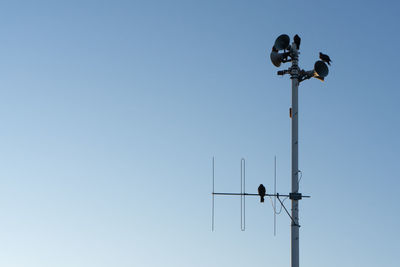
(262, 199)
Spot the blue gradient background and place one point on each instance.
(112, 110)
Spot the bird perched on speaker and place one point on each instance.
(297, 41)
(325, 58)
(261, 192)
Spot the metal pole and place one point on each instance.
(294, 72)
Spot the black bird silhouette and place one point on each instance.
(297, 41)
(274, 49)
(325, 58)
(261, 192)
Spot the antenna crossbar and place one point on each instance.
(251, 194)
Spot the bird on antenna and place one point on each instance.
(297, 41)
(261, 192)
(325, 58)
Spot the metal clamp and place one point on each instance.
(295, 196)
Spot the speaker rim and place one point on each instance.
(282, 38)
(276, 58)
(320, 64)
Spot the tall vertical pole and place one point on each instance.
(294, 72)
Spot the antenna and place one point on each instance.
(243, 195)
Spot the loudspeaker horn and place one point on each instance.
(282, 42)
(320, 70)
(277, 58)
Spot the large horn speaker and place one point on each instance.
(277, 58)
(282, 42)
(320, 70)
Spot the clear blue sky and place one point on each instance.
(111, 112)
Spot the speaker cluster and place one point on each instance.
(283, 52)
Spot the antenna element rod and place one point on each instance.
(213, 196)
(275, 197)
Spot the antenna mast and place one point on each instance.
(294, 73)
(297, 75)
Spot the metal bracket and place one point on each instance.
(283, 72)
(305, 75)
(287, 212)
(295, 196)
